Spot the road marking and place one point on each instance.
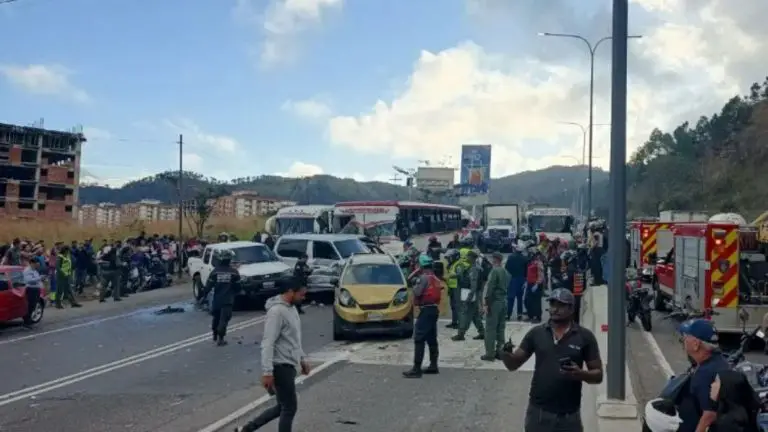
(656, 351)
(75, 326)
(71, 327)
(219, 425)
(38, 389)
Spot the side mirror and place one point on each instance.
(335, 281)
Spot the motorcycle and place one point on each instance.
(639, 300)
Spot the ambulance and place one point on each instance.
(715, 266)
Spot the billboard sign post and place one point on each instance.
(475, 174)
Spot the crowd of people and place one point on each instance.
(66, 270)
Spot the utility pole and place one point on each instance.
(617, 329)
(181, 199)
(395, 179)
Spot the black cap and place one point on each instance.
(562, 295)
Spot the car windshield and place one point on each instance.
(285, 226)
(500, 221)
(549, 224)
(348, 247)
(374, 229)
(253, 254)
(373, 274)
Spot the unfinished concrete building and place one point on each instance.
(39, 172)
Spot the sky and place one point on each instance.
(353, 87)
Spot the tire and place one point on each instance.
(645, 320)
(338, 333)
(658, 299)
(197, 285)
(37, 314)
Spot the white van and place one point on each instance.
(322, 249)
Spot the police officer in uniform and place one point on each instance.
(495, 306)
(225, 282)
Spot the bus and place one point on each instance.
(553, 222)
(392, 222)
(303, 219)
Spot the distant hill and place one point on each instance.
(556, 185)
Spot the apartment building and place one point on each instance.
(103, 214)
(39, 172)
(243, 204)
(149, 210)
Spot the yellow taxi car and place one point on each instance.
(371, 296)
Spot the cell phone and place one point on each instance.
(566, 363)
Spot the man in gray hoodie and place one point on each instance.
(281, 357)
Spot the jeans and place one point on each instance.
(287, 401)
(538, 420)
(453, 297)
(515, 295)
(220, 320)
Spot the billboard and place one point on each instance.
(435, 179)
(475, 170)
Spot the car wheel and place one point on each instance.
(196, 286)
(37, 313)
(338, 333)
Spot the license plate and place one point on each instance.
(269, 285)
(375, 316)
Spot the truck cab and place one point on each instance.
(260, 269)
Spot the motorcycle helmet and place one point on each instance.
(225, 256)
(661, 416)
(407, 244)
(425, 261)
(543, 237)
(467, 241)
(432, 239)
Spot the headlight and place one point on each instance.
(647, 271)
(345, 298)
(401, 297)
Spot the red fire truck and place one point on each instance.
(714, 266)
(648, 239)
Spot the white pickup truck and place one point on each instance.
(260, 269)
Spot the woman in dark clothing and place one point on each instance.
(737, 403)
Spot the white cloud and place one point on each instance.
(46, 80)
(192, 162)
(301, 169)
(284, 21)
(312, 109)
(194, 134)
(693, 57)
(95, 134)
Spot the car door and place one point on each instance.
(206, 270)
(323, 253)
(6, 298)
(19, 292)
(290, 250)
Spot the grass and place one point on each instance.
(52, 232)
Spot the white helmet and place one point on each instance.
(658, 421)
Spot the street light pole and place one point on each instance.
(617, 214)
(592, 50)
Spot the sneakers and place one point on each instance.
(457, 338)
(479, 337)
(431, 370)
(412, 373)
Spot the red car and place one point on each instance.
(13, 297)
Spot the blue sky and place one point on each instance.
(349, 88)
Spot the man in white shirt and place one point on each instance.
(34, 283)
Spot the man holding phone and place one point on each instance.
(562, 349)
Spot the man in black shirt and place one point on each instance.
(562, 348)
(301, 274)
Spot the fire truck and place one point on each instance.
(648, 239)
(714, 266)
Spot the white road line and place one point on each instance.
(656, 350)
(72, 327)
(109, 367)
(219, 425)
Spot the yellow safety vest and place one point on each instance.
(66, 265)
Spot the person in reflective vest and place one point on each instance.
(64, 279)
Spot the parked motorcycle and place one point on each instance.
(639, 299)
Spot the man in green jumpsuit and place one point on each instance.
(495, 306)
(468, 284)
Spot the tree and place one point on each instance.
(201, 208)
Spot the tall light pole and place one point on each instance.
(583, 137)
(592, 49)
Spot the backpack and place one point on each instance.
(463, 278)
(433, 293)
